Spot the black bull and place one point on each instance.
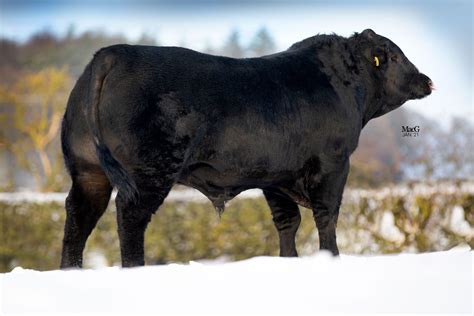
(144, 118)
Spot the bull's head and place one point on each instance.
(397, 79)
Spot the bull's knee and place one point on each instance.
(287, 221)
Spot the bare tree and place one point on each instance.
(31, 113)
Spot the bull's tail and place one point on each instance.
(100, 66)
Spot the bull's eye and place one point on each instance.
(377, 61)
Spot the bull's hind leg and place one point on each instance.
(133, 218)
(287, 218)
(85, 204)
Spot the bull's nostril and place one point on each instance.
(431, 85)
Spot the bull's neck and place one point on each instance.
(367, 81)
(372, 104)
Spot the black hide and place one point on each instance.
(144, 118)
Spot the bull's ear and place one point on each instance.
(367, 45)
(368, 33)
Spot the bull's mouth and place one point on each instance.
(421, 86)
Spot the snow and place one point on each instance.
(459, 224)
(432, 283)
(389, 230)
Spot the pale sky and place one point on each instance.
(435, 35)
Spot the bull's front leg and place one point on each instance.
(286, 217)
(326, 199)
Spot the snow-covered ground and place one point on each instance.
(433, 283)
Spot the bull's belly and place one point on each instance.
(220, 187)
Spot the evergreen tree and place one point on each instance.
(232, 47)
(262, 43)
